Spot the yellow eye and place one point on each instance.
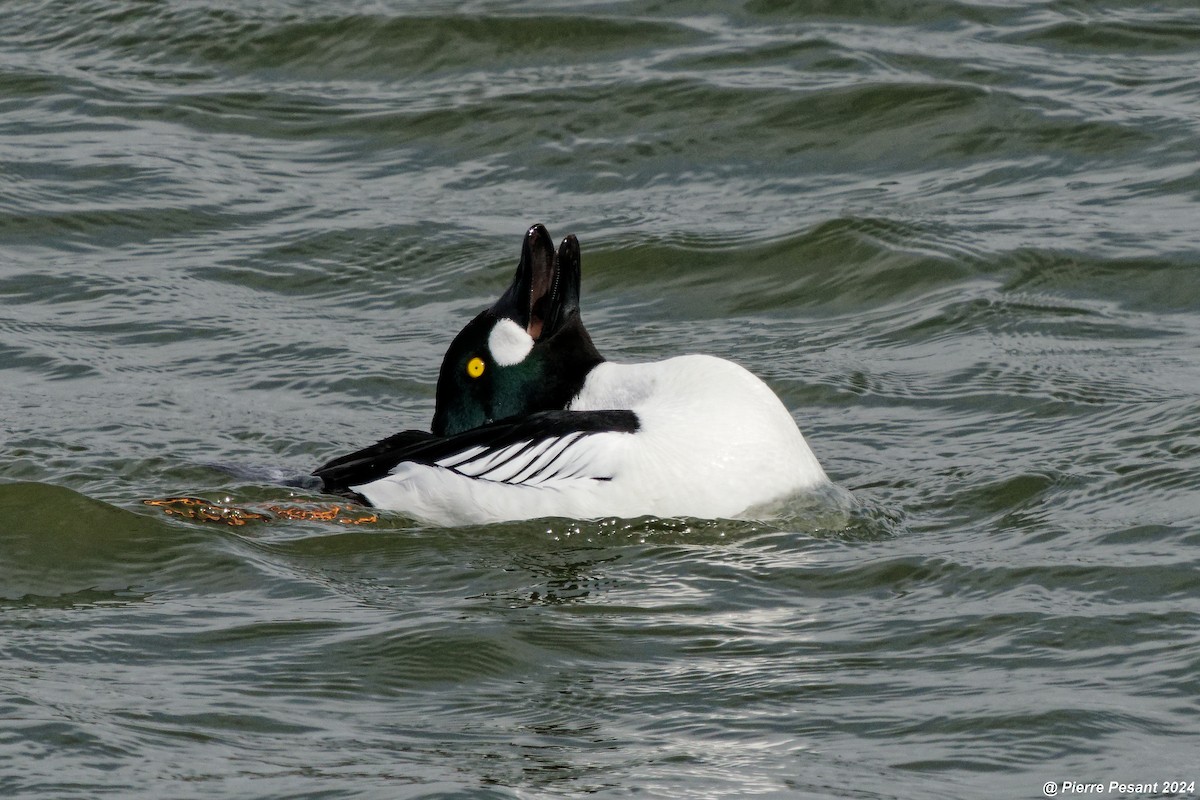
(475, 367)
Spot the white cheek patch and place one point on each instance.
(508, 343)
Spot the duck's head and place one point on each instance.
(528, 352)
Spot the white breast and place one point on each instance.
(715, 440)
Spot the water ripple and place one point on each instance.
(958, 239)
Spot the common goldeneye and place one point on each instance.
(531, 421)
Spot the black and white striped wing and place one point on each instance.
(534, 462)
(536, 450)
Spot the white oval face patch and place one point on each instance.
(508, 343)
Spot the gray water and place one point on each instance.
(959, 239)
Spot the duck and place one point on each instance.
(530, 422)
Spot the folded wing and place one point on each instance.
(535, 450)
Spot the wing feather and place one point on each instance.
(514, 463)
(534, 473)
(537, 450)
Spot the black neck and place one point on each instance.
(571, 356)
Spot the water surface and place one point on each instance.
(957, 238)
